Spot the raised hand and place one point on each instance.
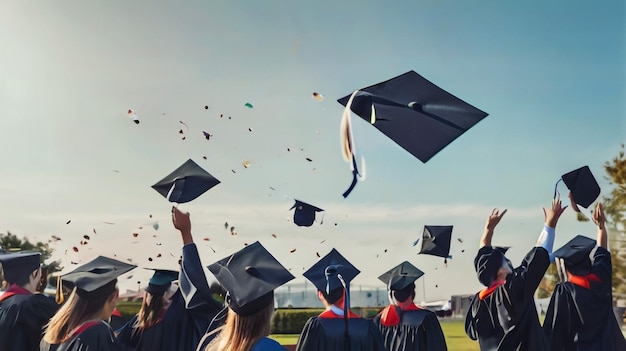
(552, 215)
(494, 218)
(598, 216)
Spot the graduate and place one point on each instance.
(503, 316)
(249, 277)
(82, 322)
(23, 311)
(403, 325)
(580, 313)
(174, 316)
(337, 328)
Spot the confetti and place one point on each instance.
(75, 249)
(150, 259)
(460, 240)
(308, 159)
(204, 157)
(155, 225)
(249, 129)
(246, 164)
(462, 250)
(288, 149)
(323, 241)
(135, 235)
(212, 249)
(233, 171)
(318, 96)
(274, 235)
(150, 215)
(385, 250)
(317, 254)
(226, 225)
(159, 255)
(248, 105)
(207, 135)
(158, 244)
(94, 230)
(132, 115)
(272, 189)
(86, 237)
(206, 239)
(110, 223)
(68, 222)
(292, 250)
(181, 132)
(206, 107)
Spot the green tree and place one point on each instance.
(10, 242)
(615, 211)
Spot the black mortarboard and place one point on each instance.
(304, 215)
(576, 253)
(582, 185)
(415, 113)
(95, 278)
(161, 281)
(186, 183)
(436, 240)
(401, 276)
(17, 265)
(250, 276)
(487, 263)
(324, 273)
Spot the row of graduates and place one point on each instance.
(503, 316)
(179, 311)
(187, 317)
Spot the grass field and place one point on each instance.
(454, 332)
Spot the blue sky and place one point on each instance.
(551, 76)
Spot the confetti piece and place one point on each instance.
(150, 259)
(158, 244)
(249, 129)
(226, 225)
(150, 215)
(135, 235)
(140, 228)
(75, 249)
(460, 240)
(159, 255)
(462, 250)
(72, 262)
(206, 107)
(317, 254)
(248, 105)
(110, 223)
(416, 241)
(323, 241)
(86, 237)
(204, 157)
(129, 277)
(207, 135)
(132, 115)
(129, 260)
(385, 250)
(68, 222)
(318, 96)
(308, 159)
(288, 149)
(233, 171)
(94, 230)
(292, 250)
(232, 229)
(274, 235)
(246, 164)
(272, 188)
(212, 249)
(206, 239)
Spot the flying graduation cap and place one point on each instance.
(186, 183)
(415, 113)
(582, 185)
(304, 215)
(250, 276)
(436, 241)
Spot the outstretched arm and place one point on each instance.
(551, 217)
(600, 220)
(490, 225)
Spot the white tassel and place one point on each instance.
(373, 115)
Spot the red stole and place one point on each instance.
(584, 280)
(330, 314)
(389, 315)
(14, 290)
(488, 291)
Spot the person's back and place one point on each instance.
(23, 313)
(322, 333)
(580, 313)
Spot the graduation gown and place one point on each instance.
(22, 316)
(186, 320)
(327, 332)
(506, 319)
(91, 336)
(416, 329)
(581, 317)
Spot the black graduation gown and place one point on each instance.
(187, 318)
(22, 317)
(98, 337)
(328, 334)
(582, 319)
(507, 319)
(417, 330)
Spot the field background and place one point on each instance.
(453, 330)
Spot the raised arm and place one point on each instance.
(490, 225)
(600, 220)
(551, 217)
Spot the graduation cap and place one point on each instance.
(488, 261)
(582, 185)
(436, 240)
(401, 276)
(304, 215)
(575, 255)
(186, 183)
(17, 265)
(95, 278)
(415, 113)
(161, 280)
(250, 276)
(326, 273)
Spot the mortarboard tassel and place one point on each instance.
(59, 298)
(346, 310)
(347, 145)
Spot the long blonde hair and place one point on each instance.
(72, 314)
(150, 311)
(241, 333)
